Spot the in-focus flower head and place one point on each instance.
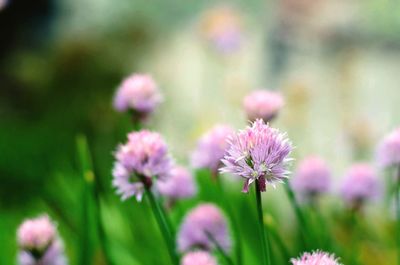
(258, 153)
(360, 184)
(263, 104)
(179, 184)
(40, 243)
(198, 258)
(211, 148)
(312, 177)
(389, 149)
(316, 258)
(199, 224)
(144, 156)
(139, 93)
(36, 234)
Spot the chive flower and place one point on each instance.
(258, 153)
(202, 227)
(312, 177)
(143, 157)
(389, 149)
(263, 104)
(198, 258)
(179, 184)
(211, 148)
(316, 258)
(39, 243)
(138, 93)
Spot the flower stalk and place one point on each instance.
(264, 239)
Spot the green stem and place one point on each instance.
(166, 219)
(264, 239)
(299, 213)
(397, 202)
(227, 259)
(236, 232)
(163, 226)
(281, 245)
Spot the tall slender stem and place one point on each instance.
(299, 213)
(397, 202)
(163, 226)
(221, 251)
(264, 239)
(236, 232)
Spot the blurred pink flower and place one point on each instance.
(143, 157)
(389, 149)
(201, 222)
(211, 148)
(198, 258)
(360, 184)
(40, 243)
(316, 258)
(312, 177)
(222, 28)
(139, 93)
(263, 104)
(36, 234)
(178, 184)
(258, 153)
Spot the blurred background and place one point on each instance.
(336, 62)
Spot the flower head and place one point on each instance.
(222, 28)
(139, 93)
(36, 234)
(263, 104)
(201, 223)
(178, 184)
(144, 156)
(40, 243)
(360, 184)
(198, 258)
(312, 177)
(211, 148)
(258, 153)
(316, 258)
(389, 149)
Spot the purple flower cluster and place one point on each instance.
(263, 104)
(360, 184)
(178, 184)
(201, 223)
(143, 157)
(139, 93)
(312, 177)
(39, 243)
(389, 149)
(211, 148)
(258, 153)
(316, 258)
(198, 258)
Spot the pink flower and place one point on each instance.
(139, 93)
(203, 221)
(360, 184)
(36, 234)
(143, 157)
(40, 243)
(312, 177)
(198, 258)
(178, 184)
(258, 153)
(316, 258)
(389, 149)
(263, 104)
(211, 148)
